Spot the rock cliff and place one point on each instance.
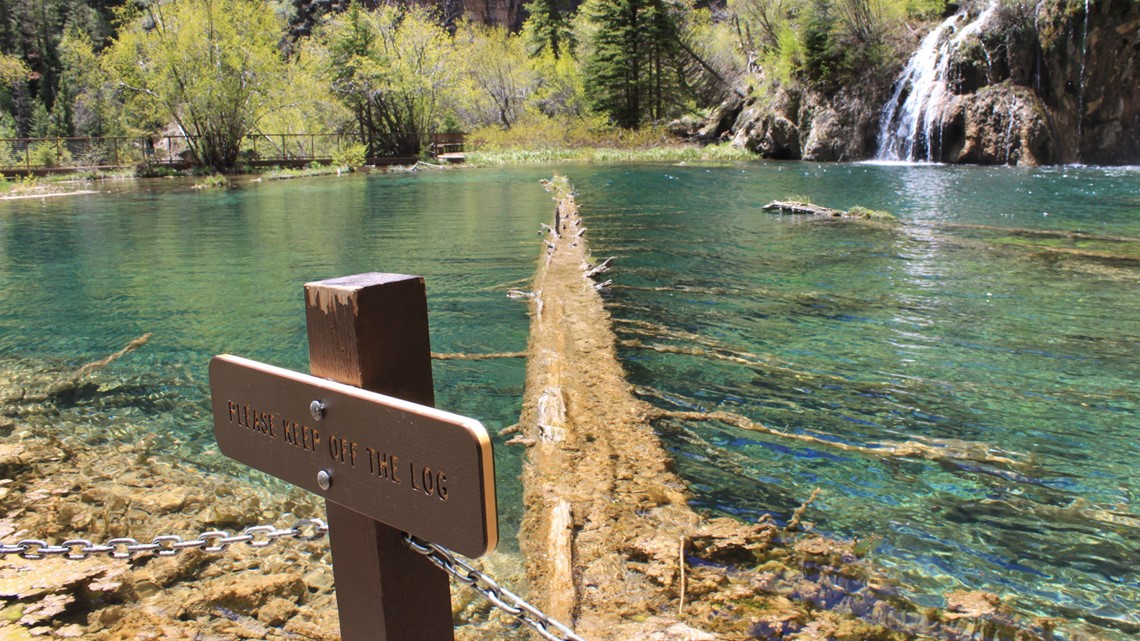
(508, 13)
(1004, 83)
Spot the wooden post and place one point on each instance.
(371, 331)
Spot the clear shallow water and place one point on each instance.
(221, 271)
(941, 328)
(857, 333)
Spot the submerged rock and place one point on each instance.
(96, 486)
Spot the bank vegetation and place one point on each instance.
(574, 76)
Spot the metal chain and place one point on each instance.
(499, 596)
(257, 536)
(263, 536)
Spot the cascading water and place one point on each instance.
(1082, 79)
(910, 126)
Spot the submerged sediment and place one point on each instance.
(78, 461)
(610, 540)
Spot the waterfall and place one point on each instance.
(1082, 79)
(910, 125)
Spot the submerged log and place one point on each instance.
(605, 511)
(461, 356)
(597, 482)
(802, 208)
(808, 209)
(94, 366)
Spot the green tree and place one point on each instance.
(33, 31)
(549, 29)
(212, 67)
(560, 90)
(635, 71)
(393, 68)
(500, 72)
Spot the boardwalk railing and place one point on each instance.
(44, 155)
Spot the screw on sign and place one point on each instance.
(385, 465)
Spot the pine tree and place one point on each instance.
(635, 73)
(550, 29)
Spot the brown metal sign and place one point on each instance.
(418, 469)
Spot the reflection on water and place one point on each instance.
(941, 328)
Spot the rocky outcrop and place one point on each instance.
(1090, 78)
(508, 13)
(1003, 124)
(803, 123)
(1019, 83)
(1053, 85)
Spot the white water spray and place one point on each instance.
(910, 126)
(1082, 78)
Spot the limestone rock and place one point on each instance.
(971, 603)
(11, 459)
(244, 594)
(766, 130)
(1038, 83)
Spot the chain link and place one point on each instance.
(257, 536)
(501, 597)
(262, 536)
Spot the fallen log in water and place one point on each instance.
(461, 356)
(808, 209)
(83, 372)
(802, 208)
(608, 530)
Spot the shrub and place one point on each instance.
(870, 214)
(49, 154)
(212, 181)
(351, 157)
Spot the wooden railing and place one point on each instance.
(39, 155)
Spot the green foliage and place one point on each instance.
(314, 170)
(823, 41)
(393, 68)
(870, 214)
(537, 131)
(561, 89)
(33, 33)
(635, 71)
(49, 154)
(350, 157)
(211, 181)
(451, 125)
(147, 170)
(671, 153)
(85, 100)
(499, 71)
(210, 66)
(548, 30)
(12, 71)
(923, 9)
(759, 23)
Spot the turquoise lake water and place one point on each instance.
(940, 328)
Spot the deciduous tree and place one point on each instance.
(500, 73)
(393, 68)
(212, 67)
